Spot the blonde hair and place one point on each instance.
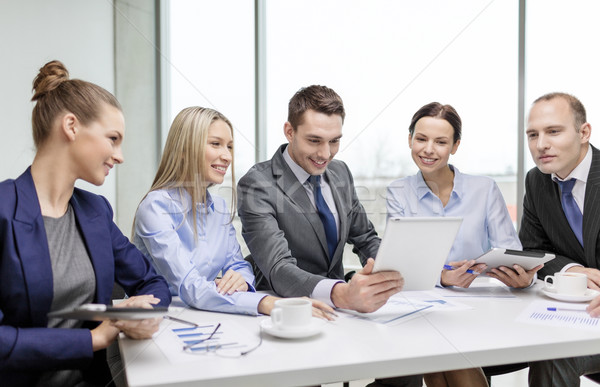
(55, 93)
(183, 163)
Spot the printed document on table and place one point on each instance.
(483, 288)
(173, 336)
(405, 306)
(558, 314)
(435, 298)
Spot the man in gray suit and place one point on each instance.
(568, 168)
(296, 229)
(300, 208)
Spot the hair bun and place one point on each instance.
(51, 75)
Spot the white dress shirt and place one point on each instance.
(580, 174)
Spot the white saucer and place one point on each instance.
(315, 326)
(587, 296)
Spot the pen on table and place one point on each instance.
(555, 309)
(448, 267)
(181, 321)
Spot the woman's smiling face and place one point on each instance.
(432, 143)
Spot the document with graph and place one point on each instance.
(559, 314)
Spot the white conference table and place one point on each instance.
(351, 349)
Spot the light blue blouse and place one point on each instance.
(476, 199)
(164, 232)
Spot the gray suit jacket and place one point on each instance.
(544, 226)
(284, 233)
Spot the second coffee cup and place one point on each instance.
(292, 314)
(573, 284)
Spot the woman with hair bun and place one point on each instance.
(59, 247)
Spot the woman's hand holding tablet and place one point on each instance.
(514, 268)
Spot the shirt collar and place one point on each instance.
(457, 189)
(209, 201)
(581, 171)
(458, 182)
(186, 199)
(298, 171)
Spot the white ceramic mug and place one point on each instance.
(573, 284)
(292, 314)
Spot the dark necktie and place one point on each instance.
(325, 214)
(570, 208)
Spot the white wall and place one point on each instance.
(78, 33)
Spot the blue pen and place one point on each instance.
(554, 309)
(448, 267)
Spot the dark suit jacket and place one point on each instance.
(27, 346)
(544, 226)
(284, 232)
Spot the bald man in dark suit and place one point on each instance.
(558, 137)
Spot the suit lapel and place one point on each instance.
(591, 210)
(295, 191)
(97, 242)
(32, 245)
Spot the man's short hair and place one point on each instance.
(575, 104)
(318, 98)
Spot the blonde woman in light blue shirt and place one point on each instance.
(187, 232)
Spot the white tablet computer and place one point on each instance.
(417, 248)
(505, 257)
(99, 312)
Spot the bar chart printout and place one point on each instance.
(559, 314)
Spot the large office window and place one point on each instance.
(386, 59)
(562, 54)
(211, 64)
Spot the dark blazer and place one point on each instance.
(544, 225)
(27, 346)
(284, 232)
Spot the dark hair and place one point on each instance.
(437, 110)
(318, 98)
(55, 93)
(575, 104)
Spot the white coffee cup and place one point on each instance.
(573, 284)
(292, 314)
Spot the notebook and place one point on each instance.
(417, 248)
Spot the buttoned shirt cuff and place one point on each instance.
(570, 265)
(322, 291)
(247, 302)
